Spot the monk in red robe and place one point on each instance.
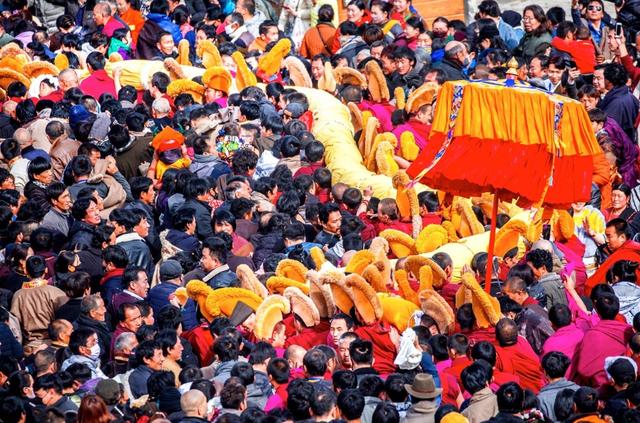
(458, 345)
(607, 338)
(620, 247)
(384, 349)
(308, 337)
(515, 355)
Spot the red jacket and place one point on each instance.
(201, 342)
(309, 168)
(457, 366)
(97, 84)
(582, 51)
(634, 72)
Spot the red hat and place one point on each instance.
(167, 139)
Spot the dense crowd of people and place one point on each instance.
(174, 245)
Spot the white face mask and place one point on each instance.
(229, 29)
(95, 352)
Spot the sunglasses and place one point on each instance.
(594, 8)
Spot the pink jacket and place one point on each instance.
(565, 340)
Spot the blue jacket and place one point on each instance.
(158, 297)
(620, 105)
(138, 380)
(166, 24)
(9, 345)
(185, 242)
(111, 287)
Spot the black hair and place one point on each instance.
(361, 351)
(555, 364)
(279, 370)
(510, 398)
(315, 362)
(344, 379)
(560, 315)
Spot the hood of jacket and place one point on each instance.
(559, 385)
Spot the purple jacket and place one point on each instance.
(625, 149)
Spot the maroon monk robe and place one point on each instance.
(610, 338)
(384, 350)
(521, 360)
(310, 337)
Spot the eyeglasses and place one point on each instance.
(594, 8)
(529, 18)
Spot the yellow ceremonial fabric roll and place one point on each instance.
(332, 126)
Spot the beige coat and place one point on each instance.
(482, 406)
(62, 151)
(35, 309)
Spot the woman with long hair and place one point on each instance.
(94, 410)
(536, 31)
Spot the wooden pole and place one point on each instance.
(492, 242)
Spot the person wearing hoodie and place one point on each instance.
(610, 335)
(206, 162)
(555, 365)
(85, 349)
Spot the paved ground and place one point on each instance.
(546, 4)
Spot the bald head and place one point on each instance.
(23, 136)
(194, 404)
(295, 354)
(68, 79)
(453, 48)
(542, 244)
(506, 332)
(103, 9)
(337, 191)
(9, 108)
(515, 284)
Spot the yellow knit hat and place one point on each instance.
(359, 261)
(321, 295)
(435, 306)
(180, 86)
(341, 293)
(221, 301)
(209, 54)
(248, 280)
(244, 76)
(508, 236)
(302, 306)
(431, 238)
(425, 94)
(280, 283)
